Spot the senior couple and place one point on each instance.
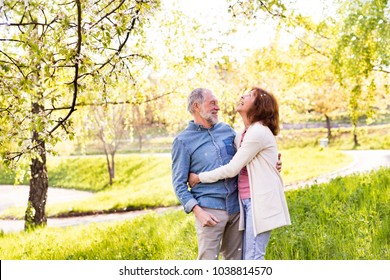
(234, 215)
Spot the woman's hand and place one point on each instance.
(193, 179)
(279, 163)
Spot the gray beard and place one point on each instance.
(209, 118)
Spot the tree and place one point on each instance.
(363, 48)
(50, 56)
(313, 69)
(187, 48)
(357, 44)
(108, 123)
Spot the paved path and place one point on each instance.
(364, 161)
(13, 196)
(17, 196)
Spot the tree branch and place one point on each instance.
(25, 24)
(14, 62)
(76, 67)
(109, 13)
(84, 104)
(11, 40)
(118, 51)
(270, 12)
(381, 70)
(310, 46)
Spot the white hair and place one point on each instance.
(196, 96)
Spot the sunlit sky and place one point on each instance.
(312, 8)
(215, 13)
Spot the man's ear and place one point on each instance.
(196, 107)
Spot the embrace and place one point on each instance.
(231, 182)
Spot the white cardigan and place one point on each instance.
(258, 152)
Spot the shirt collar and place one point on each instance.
(196, 126)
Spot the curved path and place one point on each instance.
(11, 196)
(17, 195)
(363, 161)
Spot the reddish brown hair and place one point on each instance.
(265, 109)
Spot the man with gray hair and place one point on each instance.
(205, 145)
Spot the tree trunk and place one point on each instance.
(39, 183)
(110, 164)
(329, 127)
(112, 174)
(355, 140)
(140, 138)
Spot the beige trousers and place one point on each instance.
(224, 238)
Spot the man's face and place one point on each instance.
(209, 109)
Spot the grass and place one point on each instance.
(303, 164)
(348, 218)
(150, 237)
(145, 181)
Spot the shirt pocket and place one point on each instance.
(229, 146)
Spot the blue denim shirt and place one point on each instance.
(198, 149)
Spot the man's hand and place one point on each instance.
(279, 163)
(193, 179)
(205, 218)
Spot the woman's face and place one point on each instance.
(246, 102)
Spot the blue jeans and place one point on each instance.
(254, 246)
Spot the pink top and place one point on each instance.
(243, 180)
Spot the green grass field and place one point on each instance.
(348, 219)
